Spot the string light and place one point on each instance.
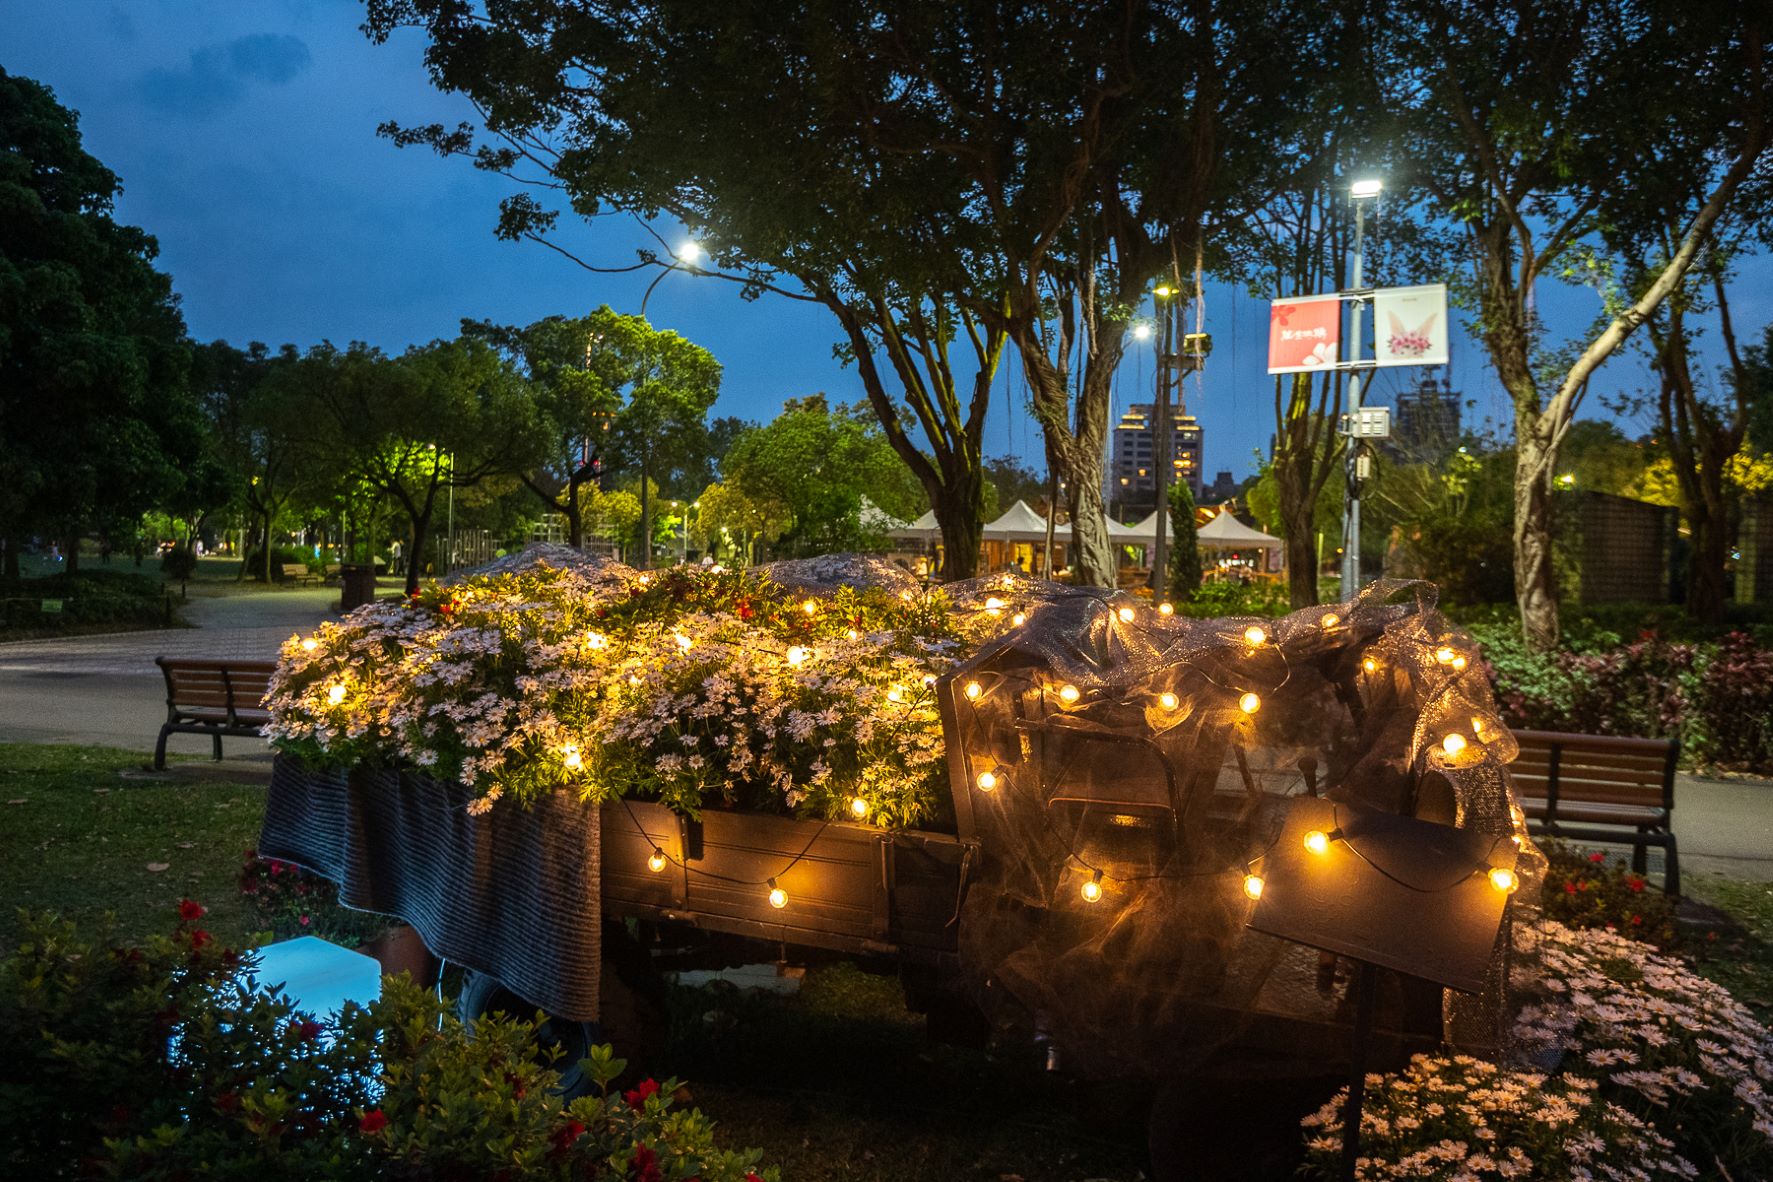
(1370, 665)
(988, 781)
(1166, 609)
(1255, 634)
(1168, 700)
(1249, 703)
(683, 642)
(1092, 890)
(858, 807)
(854, 634)
(570, 756)
(778, 896)
(1477, 727)
(1069, 693)
(1459, 664)
(1318, 842)
(1125, 614)
(973, 690)
(1019, 619)
(895, 694)
(1331, 620)
(1253, 884)
(310, 644)
(811, 607)
(994, 604)
(929, 679)
(594, 640)
(336, 694)
(1444, 655)
(1503, 879)
(656, 863)
(797, 655)
(1453, 744)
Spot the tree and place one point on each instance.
(97, 423)
(1185, 565)
(1011, 480)
(1532, 127)
(932, 172)
(727, 511)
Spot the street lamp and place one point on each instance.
(1162, 449)
(1360, 193)
(687, 255)
(1142, 331)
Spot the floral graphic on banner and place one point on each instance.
(1412, 325)
(1304, 333)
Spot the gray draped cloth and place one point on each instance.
(514, 892)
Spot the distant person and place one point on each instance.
(394, 553)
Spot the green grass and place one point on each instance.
(77, 838)
(1740, 961)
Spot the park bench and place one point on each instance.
(298, 572)
(1601, 788)
(214, 698)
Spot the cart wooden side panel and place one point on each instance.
(850, 888)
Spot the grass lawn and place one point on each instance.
(1742, 961)
(78, 838)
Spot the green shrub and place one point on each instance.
(92, 599)
(178, 563)
(161, 1063)
(1223, 597)
(1590, 890)
(288, 901)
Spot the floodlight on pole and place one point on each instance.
(1361, 190)
(1142, 331)
(690, 252)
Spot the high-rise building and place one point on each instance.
(1132, 471)
(1428, 420)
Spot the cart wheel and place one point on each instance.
(632, 1001)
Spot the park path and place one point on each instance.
(106, 690)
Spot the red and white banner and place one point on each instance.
(1304, 333)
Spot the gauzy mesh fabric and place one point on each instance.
(1122, 770)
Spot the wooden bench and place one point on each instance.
(298, 572)
(214, 698)
(1601, 788)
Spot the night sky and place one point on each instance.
(244, 134)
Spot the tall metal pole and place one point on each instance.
(1163, 452)
(1351, 516)
(449, 557)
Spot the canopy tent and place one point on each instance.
(1019, 523)
(1143, 533)
(876, 520)
(1226, 532)
(924, 529)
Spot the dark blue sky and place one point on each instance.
(245, 137)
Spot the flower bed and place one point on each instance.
(693, 687)
(1591, 890)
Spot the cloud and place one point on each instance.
(217, 75)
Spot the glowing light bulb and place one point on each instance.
(595, 640)
(645, 580)
(1166, 609)
(310, 644)
(570, 756)
(336, 694)
(895, 694)
(1503, 879)
(1125, 614)
(1317, 841)
(683, 642)
(1069, 693)
(905, 595)
(634, 679)
(656, 863)
(1168, 700)
(858, 807)
(1370, 665)
(1249, 703)
(1444, 655)
(1459, 664)
(853, 634)
(797, 655)
(1477, 727)
(993, 604)
(810, 607)
(1255, 635)
(778, 896)
(1331, 620)
(973, 690)
(1253, 885)
(988, 781)
(1019, 619)
(1092, 890)
(1453, 744)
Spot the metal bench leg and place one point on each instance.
(160, 749)
(217, 740)
(1640, 862)
(1671, 872)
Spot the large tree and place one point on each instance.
(97, 423)
(1533, 125)
(938, 174)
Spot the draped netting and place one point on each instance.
(1122, 768)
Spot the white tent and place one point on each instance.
(1019, 523)
(1143, 533)
(876, 520)
(924, 529)
(1226, 532)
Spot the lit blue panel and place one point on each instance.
(319, 977)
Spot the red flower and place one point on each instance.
(1636, 884)
(200, 937)
(567, 1134)
(189, 910)
(751, 1176)
(309, 1030)
(638, 1096)
(374, 1121)
(646, 1165)
(1569, 887)
(744, 609)
(446, 607)
(303, 921)
(1637, 921)
(1597, 857)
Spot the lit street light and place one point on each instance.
(1360, 192)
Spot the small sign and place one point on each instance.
(52, 607)
(1304, 334)
(1410, 325)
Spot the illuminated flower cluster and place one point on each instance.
(688, 686)
(1464, 1120)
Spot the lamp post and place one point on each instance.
(688, 254)
(1162, 451)
(1354, 461)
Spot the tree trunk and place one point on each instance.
(575, 517)
(1535, 579)
(962, 529)
(421, 525)
(267, 547)
(72, 549)
(1301, 557)
(646, 518)
(1708, 520)
(10, 546)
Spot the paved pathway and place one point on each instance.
(106, 690)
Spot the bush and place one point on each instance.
(1593, 891)
(91, 599)
(1223, 597)
(280, 555)
(160, 1063)
(178, 563)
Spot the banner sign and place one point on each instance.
(1304, 333)
(1410, 325)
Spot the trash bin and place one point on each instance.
(359, 585)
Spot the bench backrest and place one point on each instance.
(1595, 769)
(239, 687)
